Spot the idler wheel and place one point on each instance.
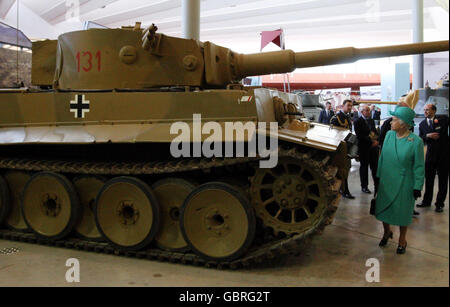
(5, 206)
(50, 205)
(171, 193)
(127, 213)
(16, 182)
(217, 222)
(88, 188)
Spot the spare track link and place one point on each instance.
(267, 251)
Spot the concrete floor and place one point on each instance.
(336, 258)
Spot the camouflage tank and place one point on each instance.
(85, 155)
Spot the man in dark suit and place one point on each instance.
(375, 114)
(434, 132)
(343, 119)
(326, 115)
(367, 147)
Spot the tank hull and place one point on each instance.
(141, 117)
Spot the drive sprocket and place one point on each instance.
(294, 196)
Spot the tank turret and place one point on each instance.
(136, 59)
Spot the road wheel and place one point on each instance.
(217, 222)
(127, 213)
(50, 205)
(171, 194)
(88, 188)
(16, 182)
(5, 203)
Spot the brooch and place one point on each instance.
(410, 139)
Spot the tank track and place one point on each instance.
(268, 250)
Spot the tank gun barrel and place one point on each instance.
(359, 102)
(286, 60)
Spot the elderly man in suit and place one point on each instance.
(326, 115)
(434, 132)
(368, 147)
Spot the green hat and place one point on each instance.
(405, 114)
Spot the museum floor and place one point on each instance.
(337, 258)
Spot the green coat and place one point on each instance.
(401, 169)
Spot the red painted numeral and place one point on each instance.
(88, 56)
(86, 69)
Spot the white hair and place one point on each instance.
(362, 106)
(403, 123)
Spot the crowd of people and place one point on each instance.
(329, 111)
(400, 161)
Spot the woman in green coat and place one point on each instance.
(401, 170)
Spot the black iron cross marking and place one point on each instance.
(79, 106)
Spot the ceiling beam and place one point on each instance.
(158, 11)
(5, 6)
(57, 13)
(50, 10)
(319, 28)
(131, 9)
(167, 8)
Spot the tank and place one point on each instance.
(87, 154)
(438, 96)
(311, 105)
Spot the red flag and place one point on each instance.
(275, 37)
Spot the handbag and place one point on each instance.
(373, 203)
